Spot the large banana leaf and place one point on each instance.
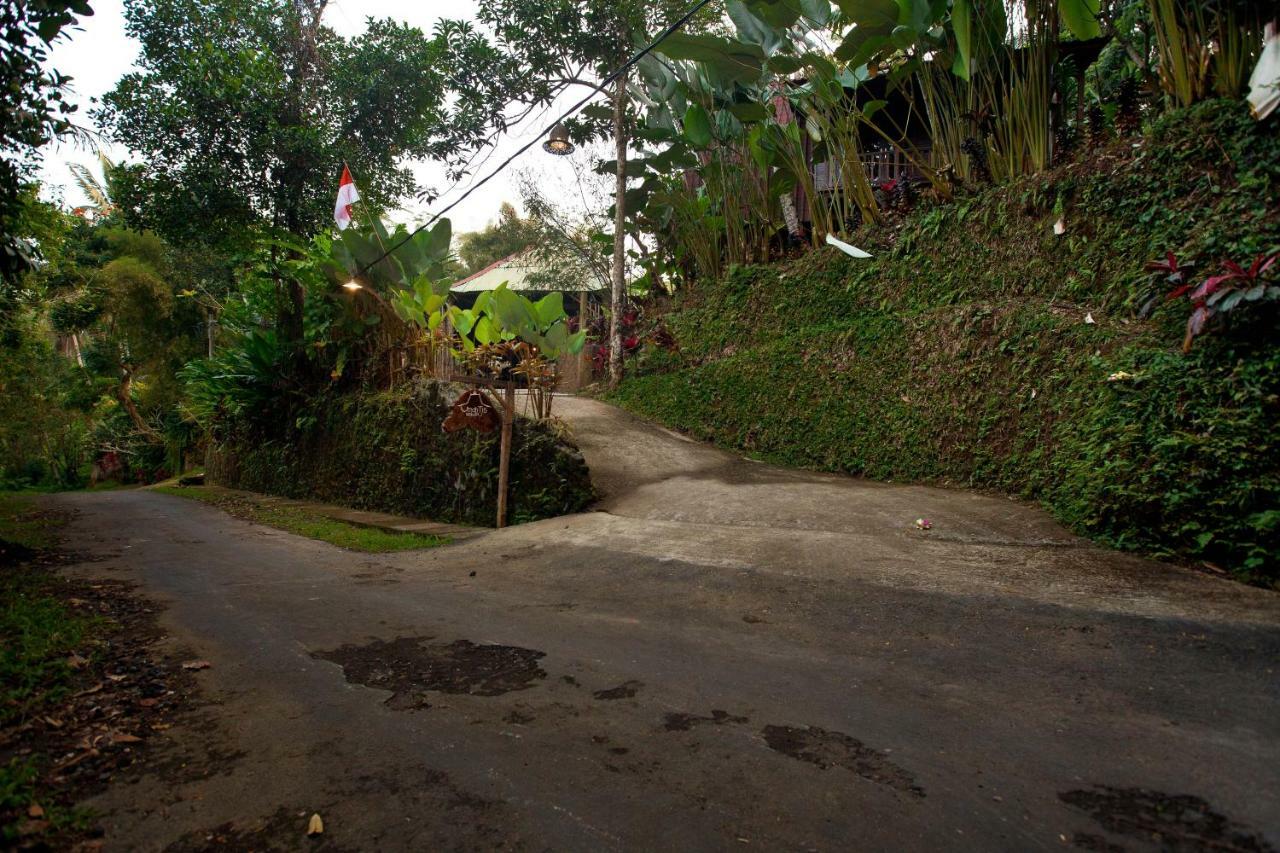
(881, 24)
(697, 126)
(1081, 17)
(753, 30)
(513, 311)
(777, 13)
(962, 25)
(549, 309)
(734, 60)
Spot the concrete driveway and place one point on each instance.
(727, 656)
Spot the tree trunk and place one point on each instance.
(125, 395)
(619, 234)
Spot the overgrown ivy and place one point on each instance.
(963, 353)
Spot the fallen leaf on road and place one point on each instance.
(72, 762)
(147, 703)
(116, 677)
(122, 737)
(77, 662)
(315, 826)
(35, 810)
(197, 664)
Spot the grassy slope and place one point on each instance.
(960, 354)
(308, 524)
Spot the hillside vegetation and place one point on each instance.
(980, 349)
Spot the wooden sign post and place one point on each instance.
(504, 451)
(475, 410)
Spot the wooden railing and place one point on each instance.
(880, 166)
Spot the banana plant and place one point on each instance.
(395, 259)
(423, 303)
(502, 315)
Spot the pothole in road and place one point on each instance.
(836, 749)
(411, 667)
(1172, 822)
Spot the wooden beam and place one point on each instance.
(504, 451)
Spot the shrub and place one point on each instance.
(387, 452)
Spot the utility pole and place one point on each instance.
(619, 234)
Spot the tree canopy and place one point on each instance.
(243, 112)
(33, 112)
(507, 235)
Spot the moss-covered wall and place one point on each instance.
(961, 354)
(387, 452)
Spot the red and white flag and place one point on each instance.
(347, 196)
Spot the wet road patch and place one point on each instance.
(679, 722)
(836, 749)
(1170, 821)
(411, 667)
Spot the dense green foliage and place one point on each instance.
(246, 111)
(387, 452)
(33, 112)
(45, 423)
(961, 353)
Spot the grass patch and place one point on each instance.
(23, 525)
(37, 632)
(19, 788)
(38, 636)
(309, 524)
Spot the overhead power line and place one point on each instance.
(600, 87)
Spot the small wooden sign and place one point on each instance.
(472, 410)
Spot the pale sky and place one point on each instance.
(99, 53)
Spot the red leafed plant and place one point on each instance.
(1168, 272)
(1217, 294)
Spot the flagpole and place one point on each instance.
(368, 214)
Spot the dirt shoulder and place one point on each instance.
(86, 685)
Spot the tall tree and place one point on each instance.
(508, 235)
(33, 111)
(244, 110)
(559, 44)
(116, 294)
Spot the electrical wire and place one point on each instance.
(614, 75)
(471, 161)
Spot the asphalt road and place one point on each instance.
(727, 656)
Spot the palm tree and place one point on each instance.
(100, 203)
